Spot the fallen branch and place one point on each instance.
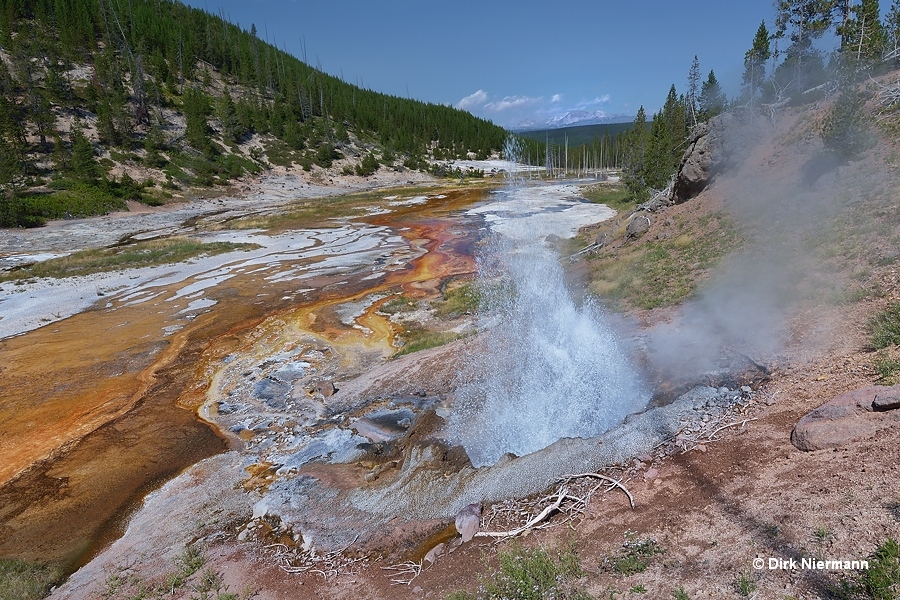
(588, 249)
(563, 494)
(741, 423)
(614, 483)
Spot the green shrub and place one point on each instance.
(530, 575)
(368, 166)
(844, 130)
(326, 155)
(881, 581)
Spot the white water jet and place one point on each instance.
(549, 368)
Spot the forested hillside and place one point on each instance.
(92, 87)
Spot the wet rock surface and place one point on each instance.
(851, 416)
(426, 480)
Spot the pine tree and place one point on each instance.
(41, 115)
(11, 173)
(807, 21)
(228, 118)
(712, 98)
(659, 151)
(196, 109)
(674, 113)
(635, 154)
(694, 89)
(755, 62)
(82, 165)
(863, 39)
(892, 29)
(11, 167)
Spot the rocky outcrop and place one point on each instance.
(851, 416)
(709, 150)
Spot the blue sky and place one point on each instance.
(511, 61)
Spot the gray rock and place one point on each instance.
(639, 225)
(886, 401)
(468, 521)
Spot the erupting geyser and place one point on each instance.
(549, 368)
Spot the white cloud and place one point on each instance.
(510, 102)
(604, 99)
(472, 100)
(556, 98)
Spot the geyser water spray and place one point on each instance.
(547, 368)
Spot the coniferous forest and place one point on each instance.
(87, 84)
(91, 85)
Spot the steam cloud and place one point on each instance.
(781, 193)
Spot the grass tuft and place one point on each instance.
(745, 584)
(881, 581)
(614, 196)
(421, 339)
(663, 272)
(634, 557)
(20, 580)
(462, 299)
(884, 328)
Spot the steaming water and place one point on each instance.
(550, 368)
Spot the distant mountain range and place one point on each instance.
(573, 118)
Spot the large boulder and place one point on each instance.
(638, 226)
(709, 150)
(851, 416)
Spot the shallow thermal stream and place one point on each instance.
(92, 413)
(552, 369)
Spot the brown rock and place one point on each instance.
(327, 389)
(846, 418)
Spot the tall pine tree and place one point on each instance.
(863, 38)
(755, 63)
(712, 98)
(635, 153)
(892, 30)
(693, 92)
(803, 22)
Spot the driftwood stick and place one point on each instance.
(588, 249)
(741, 423)
(612, 481)
(530, 524)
